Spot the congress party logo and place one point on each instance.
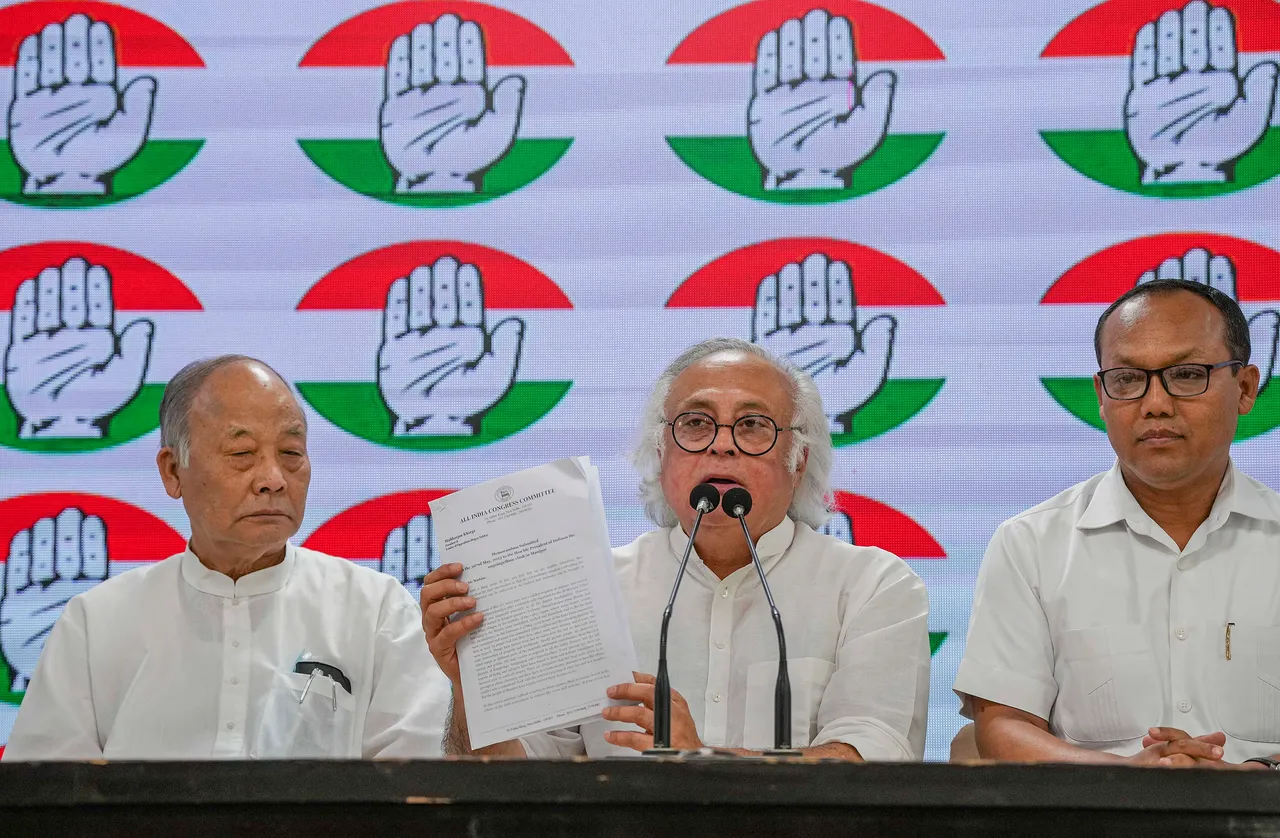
(807, 299)
(445, 120)
(445, 374)
(1249, 273)
(868, 523)
(57, 545)
(1191, 100)
(78, 131)
(392, 534)
(818, 123)
(80, 343)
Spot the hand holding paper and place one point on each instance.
(554, 635)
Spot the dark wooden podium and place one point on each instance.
(731, 797)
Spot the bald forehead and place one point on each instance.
(246, 387)
(241, 376)
(1177, 320)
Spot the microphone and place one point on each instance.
(704, 498)
(737, 503)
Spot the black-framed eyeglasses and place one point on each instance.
(754, 434)
(1180, 380)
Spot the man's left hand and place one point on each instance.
(684, 733)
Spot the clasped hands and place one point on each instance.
(1174, 748)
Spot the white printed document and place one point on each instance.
(535, 548)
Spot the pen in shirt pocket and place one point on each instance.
(1228, 640)
(336, 677)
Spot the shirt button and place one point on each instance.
(235, 602)
(720, 644)
(1184, 706)
(724, 593)
(1181, 634)
(235, 644)
(231, 725)
(235, 681)
(716, 698)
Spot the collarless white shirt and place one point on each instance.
(176, 661)
(1087, 614)
(856, 622)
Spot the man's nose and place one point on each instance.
(731, 448)
(1157, 401)
(270, 477)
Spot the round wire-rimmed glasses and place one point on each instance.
(754, 434)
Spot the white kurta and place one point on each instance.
(176, 661)
(1087, 614)
(856, 621)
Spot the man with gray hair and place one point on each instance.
(729, 413)
(243, 645)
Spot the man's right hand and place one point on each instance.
(443, 595)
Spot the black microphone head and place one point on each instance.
(737, 502)
(704, 496)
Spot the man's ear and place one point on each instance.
(1097, 391)
(1250, 382)
(167, 462)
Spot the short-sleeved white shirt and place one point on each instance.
(1087, 614)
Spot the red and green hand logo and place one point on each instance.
(75, 375)
(78, 135)
(445, 374)
(1196, 117)
(447, 132)
(818, 125)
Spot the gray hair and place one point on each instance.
(181, 391)
(811, 502)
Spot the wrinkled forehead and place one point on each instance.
(731, 382)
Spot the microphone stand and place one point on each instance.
(782, 690)
(662, 685)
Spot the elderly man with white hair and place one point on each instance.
(727, 412)
(243, 645)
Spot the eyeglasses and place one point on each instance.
(754, 434)
(1181, 380)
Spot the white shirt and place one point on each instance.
(176, 661)
(1087, 614)
(856, 622)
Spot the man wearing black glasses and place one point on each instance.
(728, 413)
(1136, 616)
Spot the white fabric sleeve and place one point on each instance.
(410, 699)
(878, 697)
(57, 720)
(1008, 656)
(554, 744)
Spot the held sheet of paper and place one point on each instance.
(535, 550)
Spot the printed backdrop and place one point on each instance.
(925, 204)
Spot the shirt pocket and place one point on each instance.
(1248, 685)
(317, 726)
(808, 676)
(1109, 690)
